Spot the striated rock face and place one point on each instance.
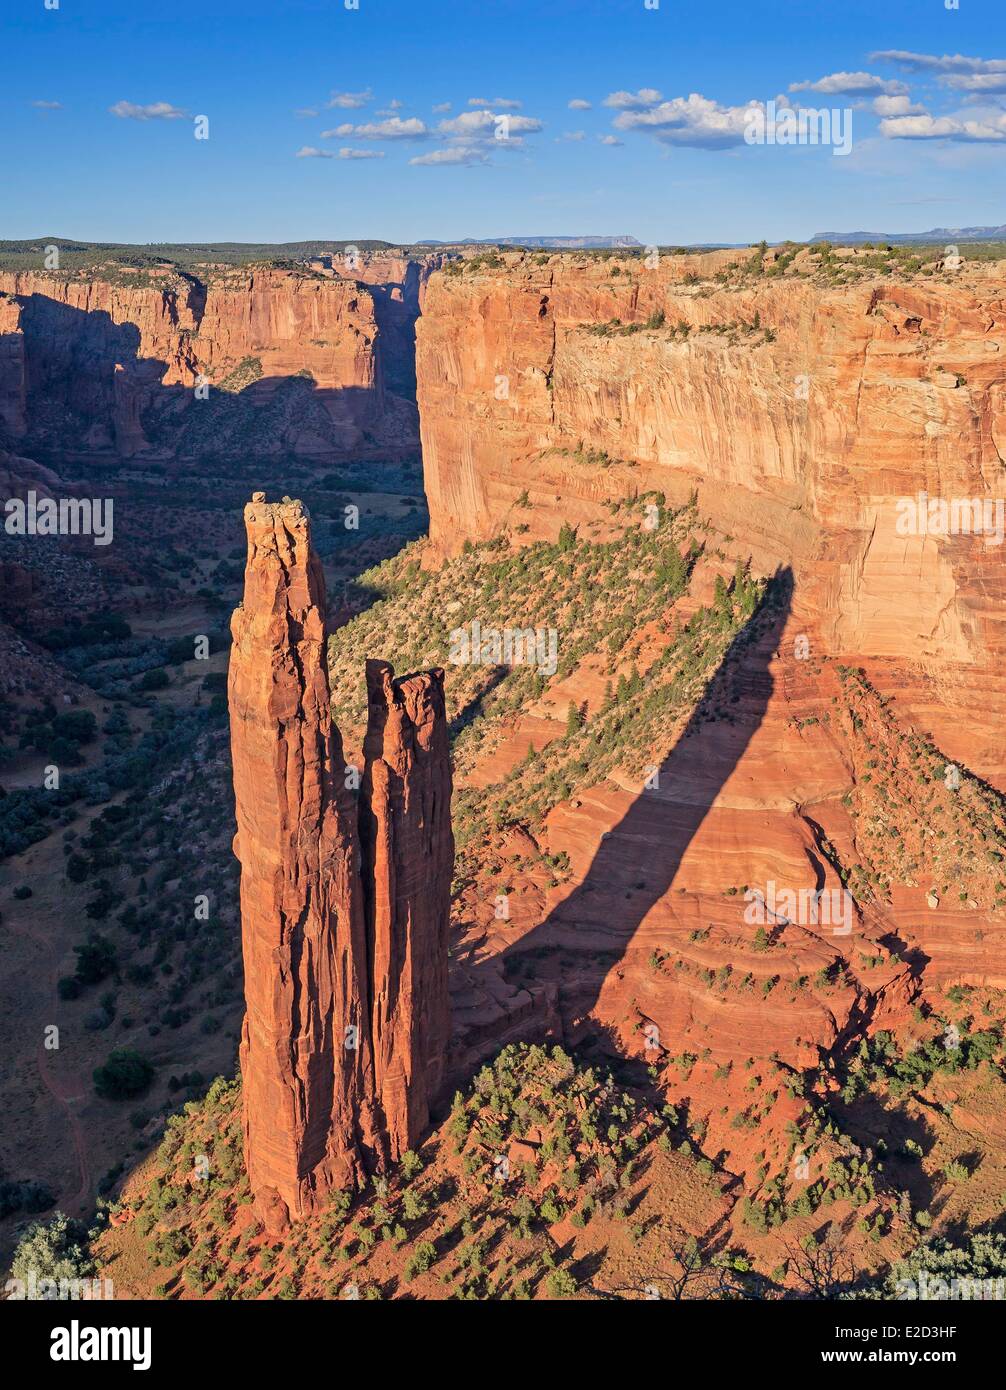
(800, 436)
(114, 365)
(345, 957)
(799, 428)
(408, 853)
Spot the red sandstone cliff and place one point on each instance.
(800, 435)
(799, 412)
(331, 989)
(114, 364)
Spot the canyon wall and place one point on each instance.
(287, 359)
(345, 953)
(398, 286)
(800, 411)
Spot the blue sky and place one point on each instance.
(98, 104)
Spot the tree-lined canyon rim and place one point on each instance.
(502, 790)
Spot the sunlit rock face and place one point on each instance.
(345, 1034)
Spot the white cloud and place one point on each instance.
(350, 101)
(472, 124)
(927, 127)
(310, 152)
(634, 101)
(693, 120)
(156, 111)
(896, 106)
(392, 129)
(578, 104)
(441, 107)
(929, 62)
(48, 105)
(497, 103)
(457, 154)
(851, 84)
(610, 140)
(306, 111)
(982, 82)
(574, 135)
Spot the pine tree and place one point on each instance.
(567, 536)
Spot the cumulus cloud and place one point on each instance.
(306, 111)
(48, 105)
(496, 103)
(156, 111)
(350, 101)
(610, 140)
(852, 84)
(456, 154)
(312, 152)
(928, 127)
(392, 129)
(896, 106)
(441, 107)
(634, 101)
(471, 124)
(347, 153)
(574, 135)
(694, 120)
(578, 104)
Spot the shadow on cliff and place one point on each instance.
(84, 374)
(637, 860)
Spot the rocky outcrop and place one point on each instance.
(288, 357)
(408, 855)
(345, 1034)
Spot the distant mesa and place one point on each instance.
(558, 243)
(936, 234)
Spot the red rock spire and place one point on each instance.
(408, 854)
(317, 1113)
